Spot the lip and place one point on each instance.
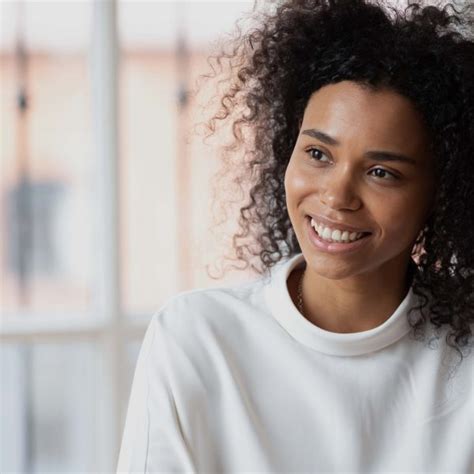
(333, 247)
(334, 224)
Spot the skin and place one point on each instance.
(360, 290)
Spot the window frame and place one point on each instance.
(106, 325)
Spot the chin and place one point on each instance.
(332, 270)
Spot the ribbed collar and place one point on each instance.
(339, 344)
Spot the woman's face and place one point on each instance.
(335, 173)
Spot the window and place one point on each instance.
(102, 189)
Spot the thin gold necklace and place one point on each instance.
(300, 293)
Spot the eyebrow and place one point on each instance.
(375, 155)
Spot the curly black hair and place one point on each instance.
(423, 52)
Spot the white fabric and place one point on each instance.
(235, 379)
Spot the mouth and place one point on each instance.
(320, 221)
(333, 245)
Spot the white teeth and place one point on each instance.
(328, 234)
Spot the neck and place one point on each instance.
(344, 306)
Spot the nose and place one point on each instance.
(339, 190)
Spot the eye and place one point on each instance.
(383, 172)
(310, 150)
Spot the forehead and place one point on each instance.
(347, 111)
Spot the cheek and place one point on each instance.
(399, 219)
(296, 182)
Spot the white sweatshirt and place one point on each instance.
(235, 379)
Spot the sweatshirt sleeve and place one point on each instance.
(152, 440)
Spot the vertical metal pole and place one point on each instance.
(24, 257)
(104, 82)
(183, 163)
(23, 196)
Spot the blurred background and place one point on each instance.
(105, 209)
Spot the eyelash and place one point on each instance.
(382, 169)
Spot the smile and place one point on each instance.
(332, 246)
(336, 235)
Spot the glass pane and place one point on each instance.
(132, 351)
(48, 408)
(45, 192)
(166, 168)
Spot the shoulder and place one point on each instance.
(217, 311)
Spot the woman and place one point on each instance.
(361, 214)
